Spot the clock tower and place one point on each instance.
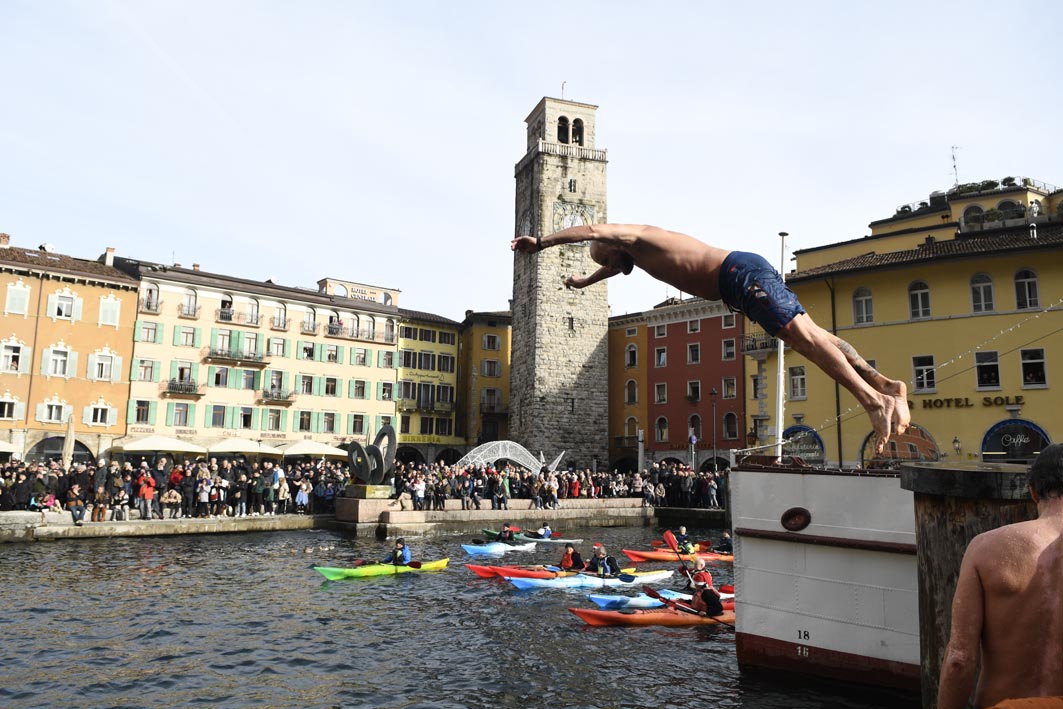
(559, 366)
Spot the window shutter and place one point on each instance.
(79, 304)
(137, 331)
(112, 416)
(53, 305)
(177, 329)
(191, 414)
(339, 354)
(214, 338)
(20, 410)
(24, 359)
(263, 421)
(131, 412)
(72, 364)
(284, 382)
(316, 423)
(152, 407)
(173, 369)
(257, 384)
(380, 358)
(207, 415)
(284, 419)
(46, 360)
(368, 357)
(195, 337)
(254, 417)
(86, 415)
(380, 391)
(210, 375)
(287, 347)
(90, 374)
(169, 413)
(116, 369)
(230, 415)
(350, 424)
(319, 386)
(319, 352)
(195, 372)
(235, 379)
(159, 327)
(350, 389)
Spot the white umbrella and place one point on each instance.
(313, 449)
(7, 448)
(153, 444)
(242, 445)
(68, 442)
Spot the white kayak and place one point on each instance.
(615, 602)
(496, 547)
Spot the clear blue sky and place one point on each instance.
(375, 141)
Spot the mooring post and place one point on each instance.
(954, 502)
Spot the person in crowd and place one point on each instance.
(284, 493)
(302, 497)
(171, 500)
(99, 504)
(7, 500)
(683, 540)
(745, 282)
(1006, 611)
(75, 502)
(238, 496)
(506, 534)
(203, 486)
(571, 560)
(145, 494)
(120, 505)
(602, 564)
(23, 491)
(399, 555)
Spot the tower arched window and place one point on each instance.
(562, 130)
(631, 392)
(863, 306)
(1010, 209)
(918, 300)
(981, 293)
(577, 131)
(1026, 296)
(660, 429)
(631, 427)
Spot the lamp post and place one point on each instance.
(712, 395)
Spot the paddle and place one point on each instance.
(414, 564)
(652, 593)
(670, 539)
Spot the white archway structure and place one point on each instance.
(490, 452)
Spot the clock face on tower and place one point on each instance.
(569, 214)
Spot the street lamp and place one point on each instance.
(712, 395)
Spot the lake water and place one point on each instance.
(242, 621)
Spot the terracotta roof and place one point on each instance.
(1010, 240)
(33, 259)
(419, 316)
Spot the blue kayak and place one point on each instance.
(592, 581)
(612, 601)
(496, 547)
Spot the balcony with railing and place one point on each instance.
(626, 442)
(443, 406)
(224, 315)
(277, 397)
(188, 310)
(238, 357)
(406, 403)
(493, 407)
(309, 328)
(279, 322)
(150, 305)
(182, 389)
(759, 345)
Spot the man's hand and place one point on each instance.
(573, 282)
(525, 244)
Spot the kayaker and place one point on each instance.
(683, 541)
(602, 564)
(572, 560)
(725, 546)
(544, 531)
(506, 534)
(705, 598)
(400, 555)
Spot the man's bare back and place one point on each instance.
(690, 265)
(1008, 607)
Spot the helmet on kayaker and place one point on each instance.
(400, 541)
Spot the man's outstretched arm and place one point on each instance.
(600, 275)
(960, 664)
(617, 234)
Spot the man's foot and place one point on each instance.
(901, 415)
(881, 420)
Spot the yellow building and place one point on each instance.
(427, 387)
(483, 377)
(67, 340)
(628, 387)
(959, 297)
(218, 357)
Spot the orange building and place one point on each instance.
(65, 345)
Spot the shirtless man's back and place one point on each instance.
(1009, 607)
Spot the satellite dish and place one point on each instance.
(47, 248)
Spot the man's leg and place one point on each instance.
(891, 387)
(815, 343)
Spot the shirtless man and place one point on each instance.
(1008, 602)
(746, 283)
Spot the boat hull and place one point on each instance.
(496, 548)
(662, 616)
(368, 570)
(589, 581)
(643, 556)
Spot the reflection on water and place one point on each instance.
(241, 620)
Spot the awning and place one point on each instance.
(243, 445)
(805, 443)
(1013, 440)
(153, 444)
(313, 449)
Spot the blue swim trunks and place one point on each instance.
(750, 285)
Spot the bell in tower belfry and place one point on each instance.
(559, 368)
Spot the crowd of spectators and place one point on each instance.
(170, 489)
(428, 487)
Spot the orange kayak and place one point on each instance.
(661, 555)
(657, 616)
